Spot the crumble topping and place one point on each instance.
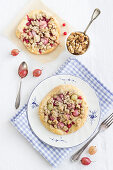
(77, 43)
(64, 110)
(40, 32)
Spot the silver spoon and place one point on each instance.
(22, 72)
(93, 17)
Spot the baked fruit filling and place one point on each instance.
(64, 110)
(40, 33)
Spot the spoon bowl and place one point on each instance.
(23, 69)
(22, 72)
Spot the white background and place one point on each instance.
(15, 152)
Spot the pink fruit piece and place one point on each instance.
(73, 123)
(33, 33)
(42, 24)
(60, 124)
(75, 113)
(52, 118)
(69, 125)
(68, 116)
(85, 161)
(73, 106)
(61, 96)
(70, 106)
(59, 99)
(44, 40)
(80, 97)
(29, 33)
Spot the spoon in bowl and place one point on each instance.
(77, 43)
(22, 72)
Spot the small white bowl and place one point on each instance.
(67, 48)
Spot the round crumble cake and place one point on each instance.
(39, 32)
(63, 110)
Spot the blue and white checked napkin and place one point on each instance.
(52, 154)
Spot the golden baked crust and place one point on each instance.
(79, 120)
(41, 34)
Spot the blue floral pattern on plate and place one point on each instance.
(67, 80)
(34, 103)
(92, 115)
(57, 140)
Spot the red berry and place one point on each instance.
(40, 51)
(80, 97)
(51, 45)
(73, 123)
(85, 161)
(65, 33)
(37, 72)
(67, 131)
(28, 18)
(28, 23)
(69, 125)
(23, 73)
(15, 52)
(27, 41)
(64, 24)
(24, 30)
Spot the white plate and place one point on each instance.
(75, 138)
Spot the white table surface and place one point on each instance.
(15, 152)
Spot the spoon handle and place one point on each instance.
(17, 102)
(93, 17)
